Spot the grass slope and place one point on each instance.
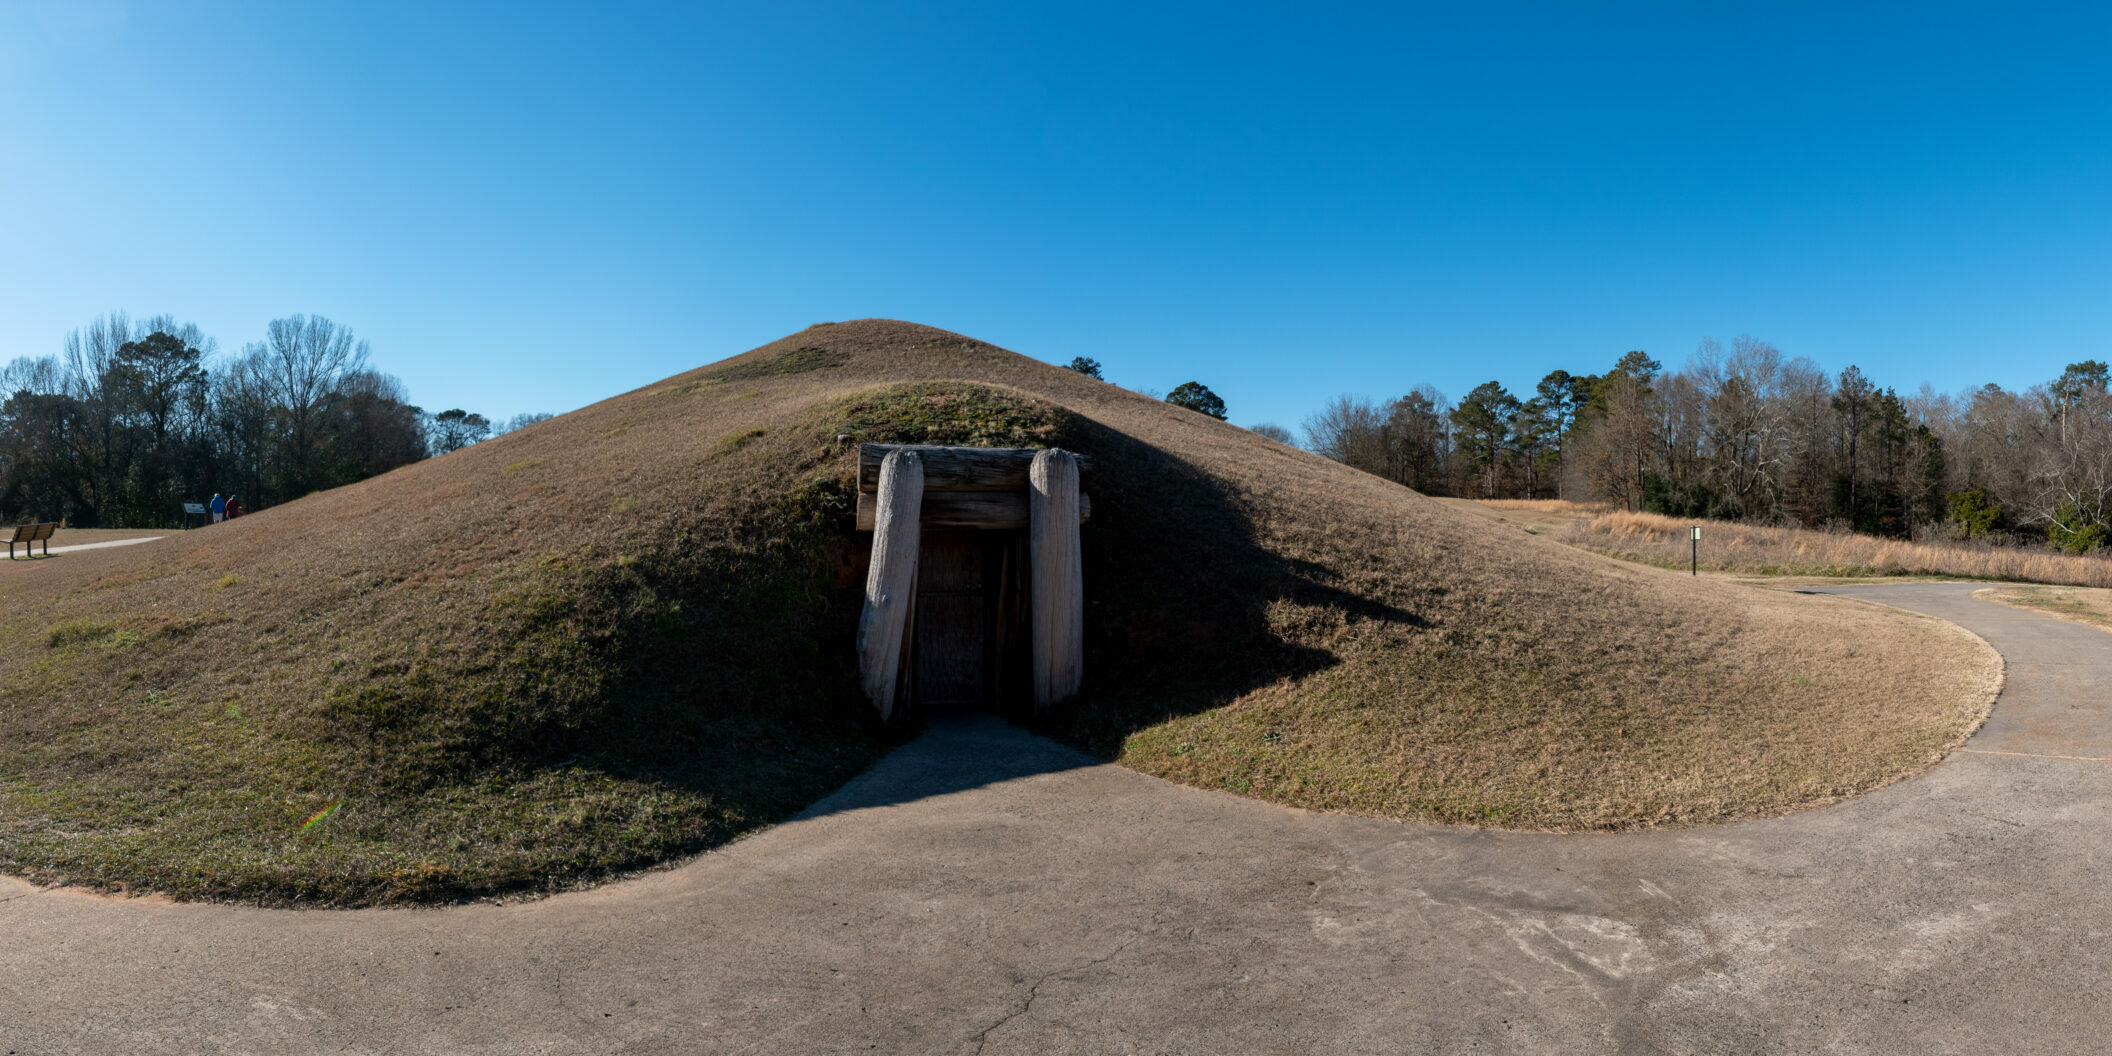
(625, 634)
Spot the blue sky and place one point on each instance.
(531, 207)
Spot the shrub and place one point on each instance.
(1197, 397)
(1662, 495)
(1975, 513)
(2077, 529)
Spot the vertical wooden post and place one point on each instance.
(890, 587)
(1057, 581)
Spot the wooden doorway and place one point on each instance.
(952, 626)
(973, 597)
(969, 637)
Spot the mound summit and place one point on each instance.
(626, 634)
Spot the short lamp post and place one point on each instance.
(1694, 538)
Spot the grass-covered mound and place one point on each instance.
(625, 634)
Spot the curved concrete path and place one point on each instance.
(92, 546)
(985, 891)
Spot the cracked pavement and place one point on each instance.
(982, 890)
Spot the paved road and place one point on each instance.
(985, 891)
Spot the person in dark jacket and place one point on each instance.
(234, 507)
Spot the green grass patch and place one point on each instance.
(738, 439)
(948, 413)
(74, 633)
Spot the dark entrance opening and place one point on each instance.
(950, 617)
(968, 638)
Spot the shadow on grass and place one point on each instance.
(1178, 594)
(1179, 590)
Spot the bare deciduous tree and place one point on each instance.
(132, 418)
(302, 362)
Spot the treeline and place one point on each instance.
(1750, 434)
(132, 419)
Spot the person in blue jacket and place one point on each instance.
(219, 508)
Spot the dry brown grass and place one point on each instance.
(2086, 605)
(77, 536)
(1562, 507)
(1731, 547)
(625, 634)
(1550, 517)
(1615, 742)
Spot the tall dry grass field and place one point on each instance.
(1729, 547)
(1550, 506)
(1545, 517)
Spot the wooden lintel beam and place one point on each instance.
(960, 468)
(966, 509)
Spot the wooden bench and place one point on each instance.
(28, 535)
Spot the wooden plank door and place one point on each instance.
(951, 621)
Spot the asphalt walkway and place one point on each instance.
(40, 551)
(985, 891)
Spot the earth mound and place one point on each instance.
(625, 634)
